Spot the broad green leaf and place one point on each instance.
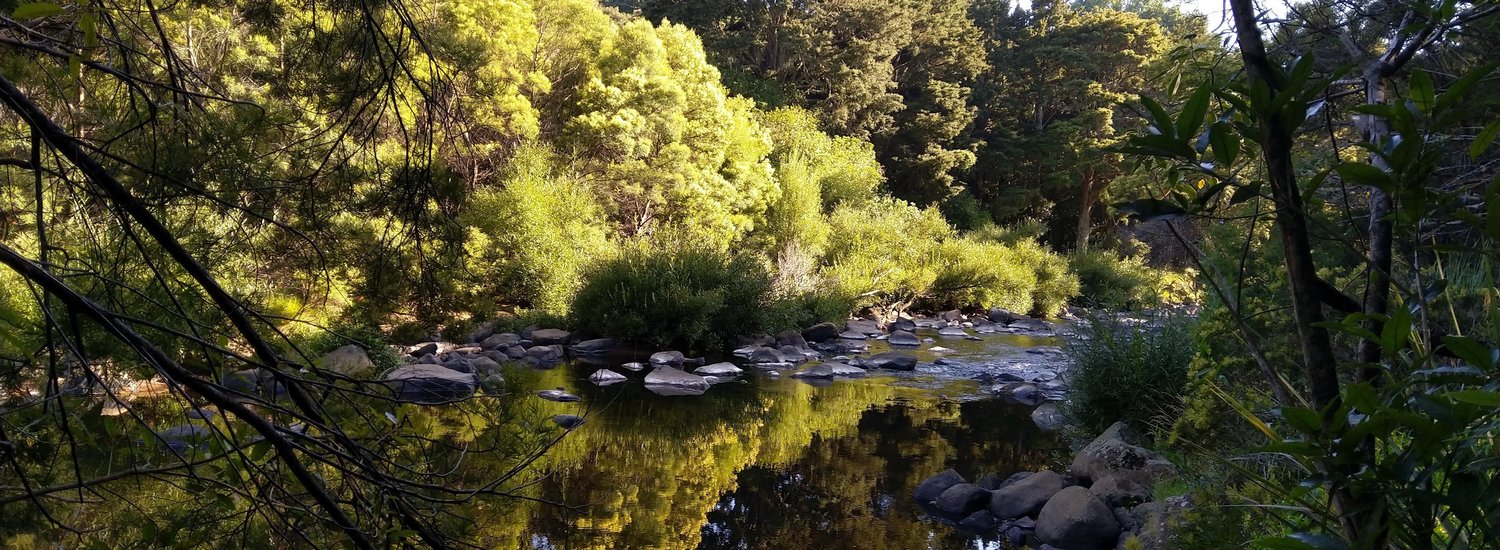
(1476, 397)
(1478, 354)
(1193, 112)
(1242, 194)
(1360, 173)
(1225, 143)
(34, 10)
(1422, 93)
(1301, 419)
(1484, 139)
(1159, 117)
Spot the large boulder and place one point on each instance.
(549, 336)
(867, 327)
(791, 338)
(792, 354)
(820, 332)
(931, 488)
(951, 315)
(1118, 491)
(891, 360)
(766, 355)
(1030, 324)
(1047, 417)
(820, 370)
(978, 521)
(349, 360)
(903, 338)
(666, 358)
(550, 353)
(500, 341)
(719, 369)
(597, 346)
(484, 365)
(1003, 316)
(962, 499)
(668, 376)
(1077, 520)
(430, 384)
(1112, 454)
(1027, 496)
(850, 371)
(902, 324)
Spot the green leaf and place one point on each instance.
(1301, 419)
(1422, 93)
(34, 10)
(1225, 143)
(1484, 139)
(1475, 397)
(1150, 209)
(1193, 111)
(1159, 117)
(1360, 173)
(1478, 354)
(1242, 194)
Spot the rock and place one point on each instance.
(952, 332)
(962, 499)
(424, 349)
(515, 352)
(766, 355)
(792, 354)
(500, 341)
(986, 327)
(459, 364)
(978, 521)
(633, 367)
(951, 315)
(1031, 324)
(597, 346)
(791, 338)
(745, 351)
(1014, 479)
(350, 360)
(939, 349)
(719, 369)
(903, 325)
(1111, 455)
(430, 384)
(820, 370)
(666, 358)
(546, 354)
(568, 421)
(1120, 491)
(849, 371)
(1077, 520)
(1127, 522)
(852, 335)
(933, 487)
(865, 327)
(903, 338)
(1003, 316)
(484, 365)
(673, 391)
(1027, 496)
(1157, 520)
(200, 414)
(944, 361)
(773, 365)
(605, 377)
(549, 336)
(891, 360)
(668, 376)
(845, 345)
(989, 481)
(557, 395)
(820, 332)
(1047, 417)
(192, 433)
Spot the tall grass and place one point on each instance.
(1123, 372)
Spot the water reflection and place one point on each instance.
(766, 464)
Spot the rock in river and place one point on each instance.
(903, 338)
(549, 336)
(597, 346)
(668, 376)
(719, 369)
(962, 499)
(931, 488)
(891, 360)
(1027, 496)
(431, 384)
(666, 358)
(568, 421)
(820, 332)
(557, 395)
(605, 377)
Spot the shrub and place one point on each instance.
(1132, 373)
(979, 274)
(530, 238)
(1055, 281)
(1109, 280)
(695, 299)
(966, 213)
(883, 251)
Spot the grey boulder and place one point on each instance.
(597, 346)
(820, 332)
(903, 338)
(666, 358)
(605, 377)
(962, 499)
(725, 369)
(932, 488)
(1077, 520)
(549, 336)
(668, 376)
(500, 341)
(1025, 497)
(892, 361)
(430, 384)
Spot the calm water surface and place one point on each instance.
(774, 463)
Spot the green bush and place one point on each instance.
(1111, 281)
(1132, 373)
(530, 238)
(966, 213)
(693, 299)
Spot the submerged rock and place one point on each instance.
(1047, 417)
(952, 332)
(557, 395)
(597, 346)
(568, 421)
(821, 370)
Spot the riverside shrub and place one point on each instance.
(1133, 373)
(694, 299)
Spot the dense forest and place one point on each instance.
(197, 190)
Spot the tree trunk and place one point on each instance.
(1085, 211)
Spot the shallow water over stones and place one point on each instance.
(769, 460)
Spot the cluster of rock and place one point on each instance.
(1101, 502)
